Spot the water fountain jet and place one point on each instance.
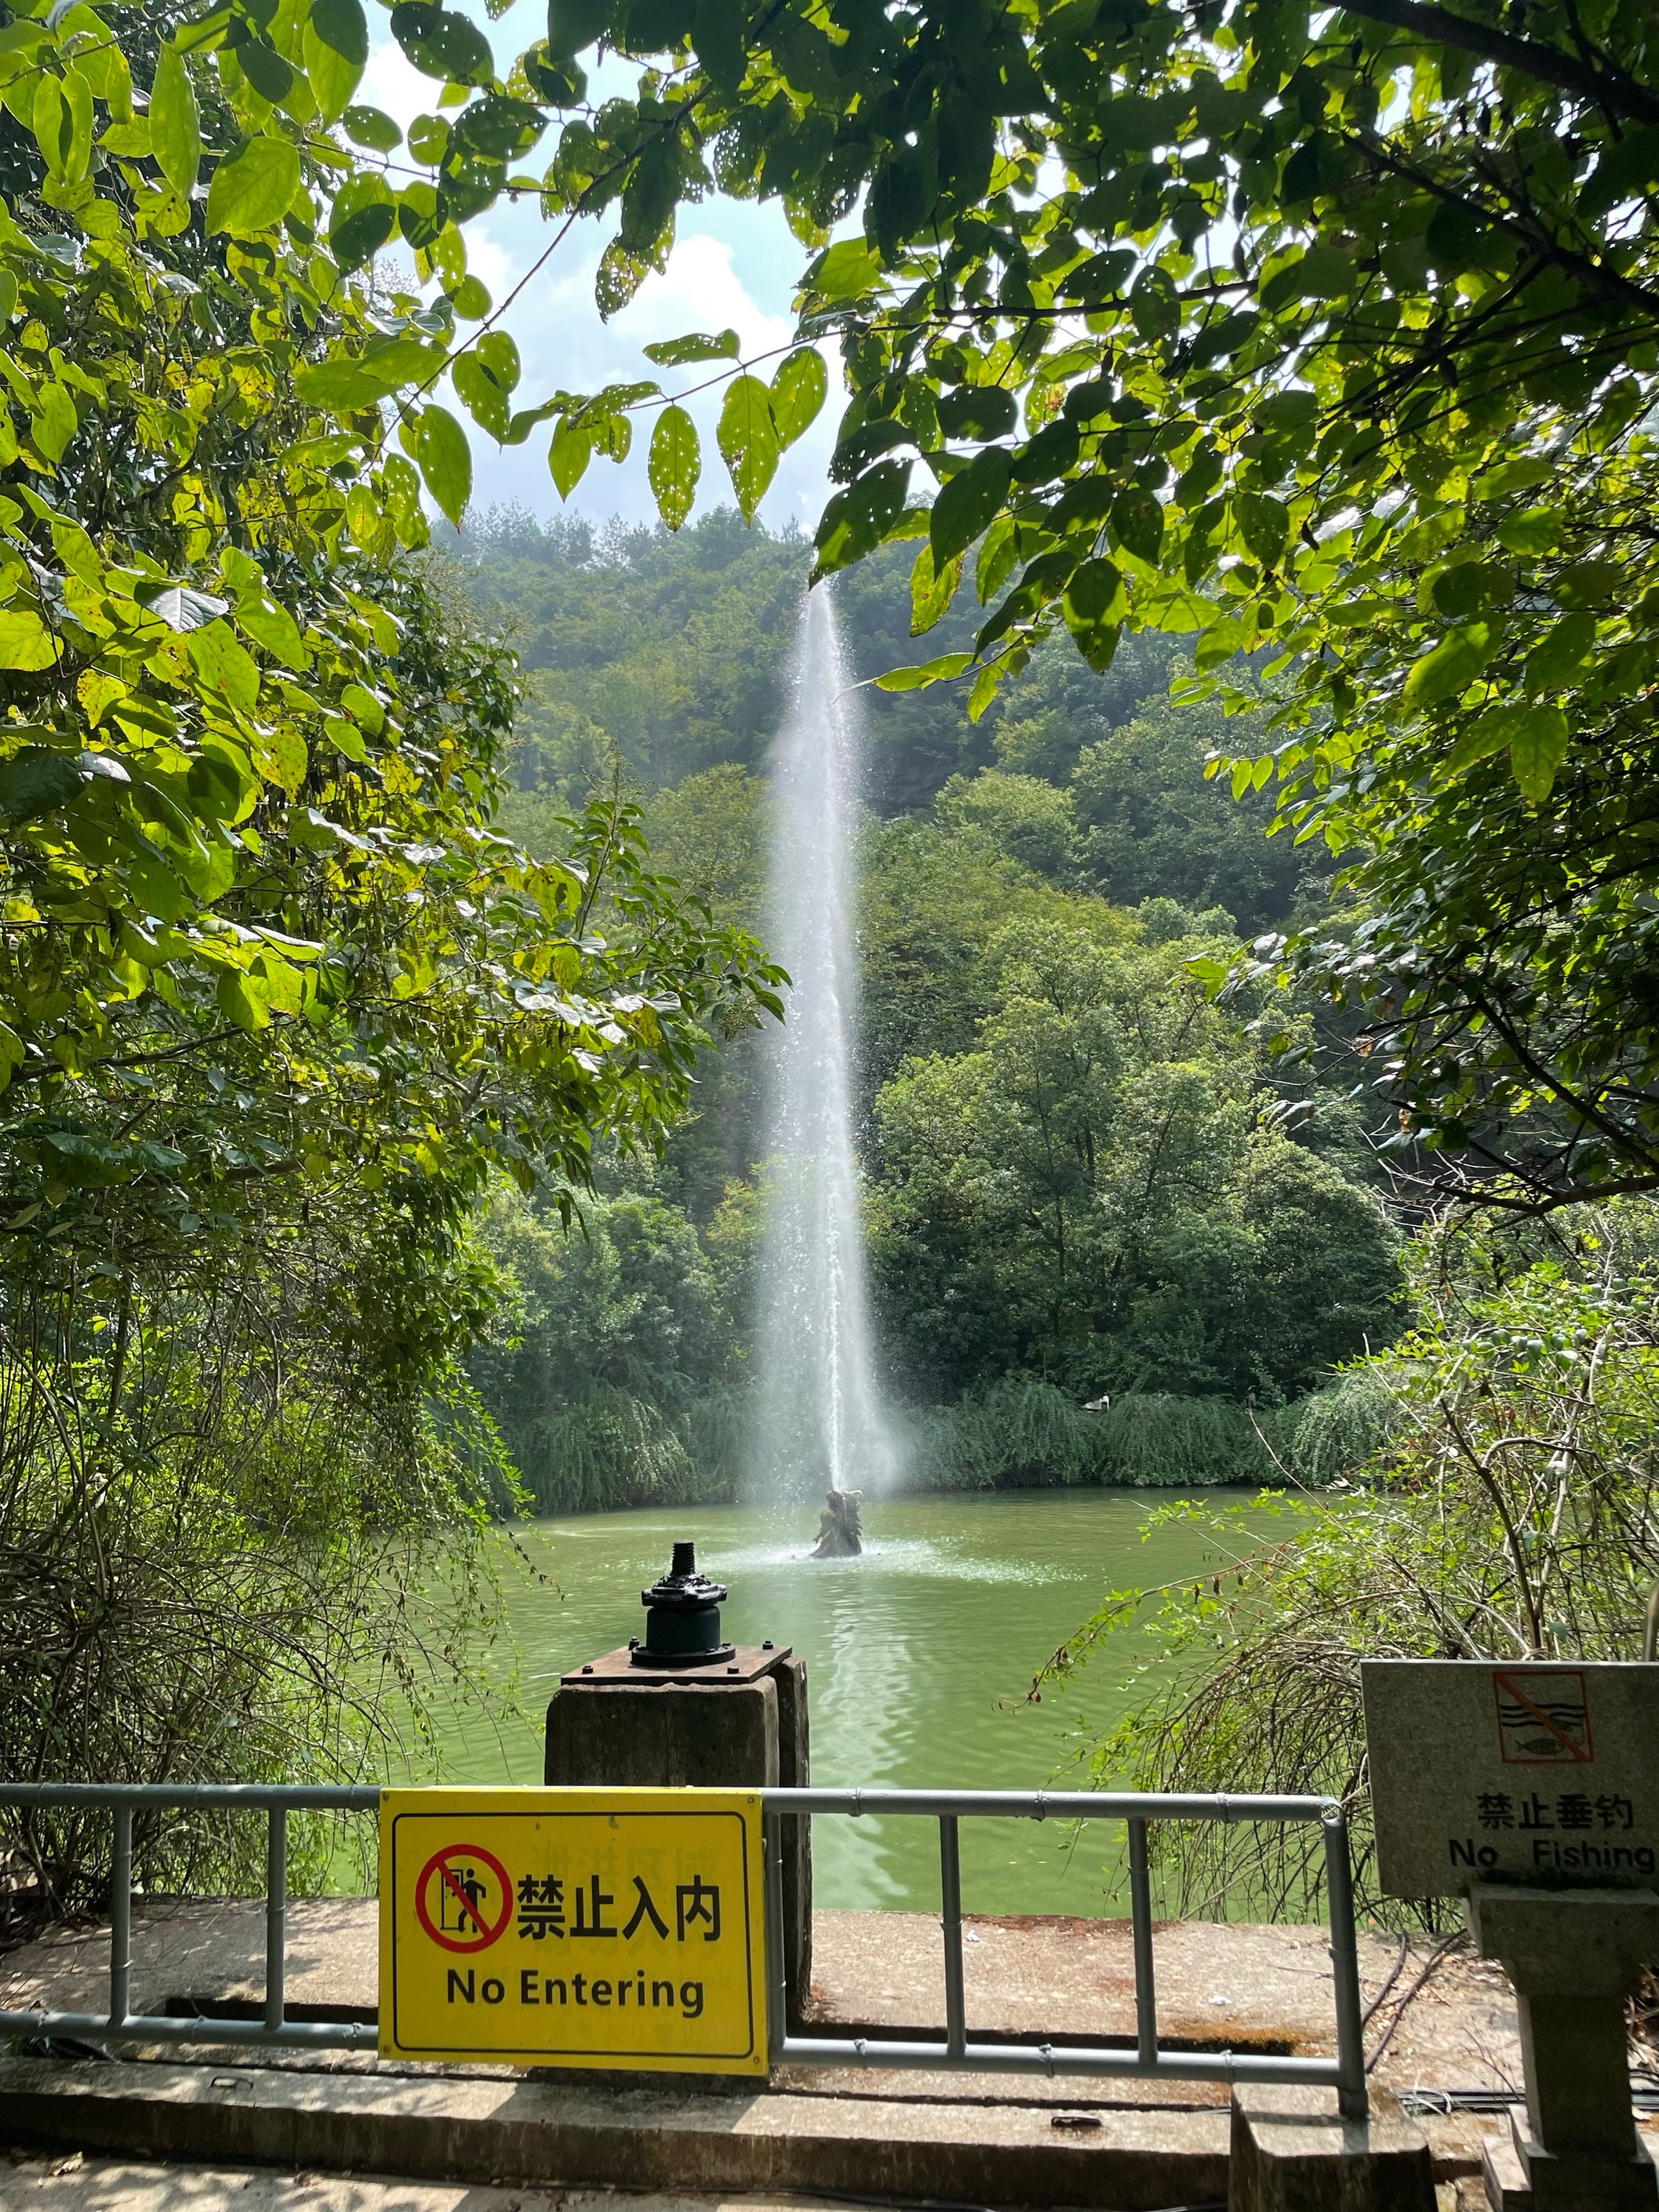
(822, 1425)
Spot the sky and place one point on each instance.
(733, 266)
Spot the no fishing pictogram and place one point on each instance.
(472, 1894)
(1543, 1716)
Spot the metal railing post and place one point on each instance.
(1140, 1920)
(777, 1949)
(1352, 2100)
(120, 1920)
(950, 1883)
(275, 1915)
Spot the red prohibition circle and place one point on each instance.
(439, 1864)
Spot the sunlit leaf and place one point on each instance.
(176, 130)
(25, 642)
(748, 441)
(930, 590)
(569, 454)
(798, 391)
(930, 671)
(675, 353)
(335, 50)
(675, 463)
(446, 461)
(253, 188)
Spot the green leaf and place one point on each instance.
(498, 353)
(977, 410)
(483, 397)
(53, 420)
(355, 234)
(675, 353)
(1138, 520)
(930, 590)
(857, 520)
(442, 44)
(39, 780)
(446, 461)
(1538, 745)
(998, 554)
(175, 124)
(573, 24)
(844, 270)
(1263, 523)
(1450, 668)
(798, 391)
(675, 463)
(253, 188)
(930, 671)
(568, 455)
(224, 666)
(748, 441)
(1590, 584)
(1537, 529)
(1093, 608)
(1561, 653)
(335, 50)
(280, 756)
(271, 77)
(968, 502)
(374, 128)
(273, 627)
(25, 643)
(1470, 588)
(62, 121)
(346, 382)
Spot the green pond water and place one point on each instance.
(921, 1656)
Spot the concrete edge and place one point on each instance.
(529, 2133)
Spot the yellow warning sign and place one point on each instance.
(574, 1928)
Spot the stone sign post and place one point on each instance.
(1531, 1790)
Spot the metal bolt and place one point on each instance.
(734, 1670)
(769, 1645)
(587, 1670)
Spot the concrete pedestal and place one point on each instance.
(1574, 1957)
(741, 1725)
(1291, 2151)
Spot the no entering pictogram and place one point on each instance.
(463, 1898)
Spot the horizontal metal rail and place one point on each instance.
(958, 2050)
(273, 2030)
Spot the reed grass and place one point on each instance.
(614, 1449)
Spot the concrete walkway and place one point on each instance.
(75, 2183)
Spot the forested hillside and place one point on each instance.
(1084, 1179)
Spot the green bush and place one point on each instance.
(1505, 1510)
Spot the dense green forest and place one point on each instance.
(1084, 1179)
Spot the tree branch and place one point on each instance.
(1438, 27)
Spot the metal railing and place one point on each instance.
(959, 2051)
(1148, 2060)
(274, 2030)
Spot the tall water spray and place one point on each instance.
(821, 1421)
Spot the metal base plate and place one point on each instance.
(748, 1662)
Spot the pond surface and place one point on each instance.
(921, 1656)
